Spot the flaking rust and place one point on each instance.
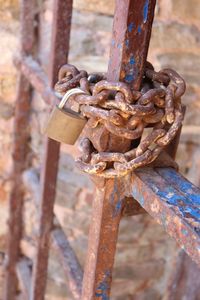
(115, 108)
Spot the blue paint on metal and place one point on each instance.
(116, 204)
(139, 29)
(172, 197)
(129, 78)
(127, 43)
(131, 26)
(113, 43)
(185, 186)
(103, 287)
(137, 195)
(184, 231)
(132, 60)
(118, 207)
(145, 11)
(119, 46)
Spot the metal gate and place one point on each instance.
(177, 212)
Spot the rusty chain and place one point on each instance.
(126, 113)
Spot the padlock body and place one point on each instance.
(64, 125)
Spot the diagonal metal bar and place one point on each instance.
(59, 54)
(132, 23)
(174, 202)
(66, 255)
(21, 137)
(24, 276)
(69, 261)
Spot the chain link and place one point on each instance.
(126, 113)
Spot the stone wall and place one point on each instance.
(144, 252)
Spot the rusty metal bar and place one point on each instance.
(184, 279)
(59, 240)
(130, 42)
(69, 262)
(34, 73)
(107, 210)
(59, 53)
(131, 35)
(21, 136)
(66, 254)
(172, 148)
(24, 276)
(173, 202)
(132, 208)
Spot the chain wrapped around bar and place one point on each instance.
(126, 113)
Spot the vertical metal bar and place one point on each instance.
(59, 52)
(130, 41)
(21, 136)
(131, 34)
(172, 148)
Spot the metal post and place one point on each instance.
(131, 35)
(21, 137)
(59, 53)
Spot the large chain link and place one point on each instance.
(126, 113)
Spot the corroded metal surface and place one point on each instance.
(20, 151)
(34, 73)
(109, 197)
(125, 113)
(107, 210)
(68, 261)
(59, 241)
(130, 41)
(59, 52)
(174, 202)
(168, 197)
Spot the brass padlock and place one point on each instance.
(64, 124)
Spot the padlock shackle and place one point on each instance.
(68, 94)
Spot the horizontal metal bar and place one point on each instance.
(174, 202)
(69, 261)
(24, 276)
(34, 73)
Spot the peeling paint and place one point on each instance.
(119, 46)
(131, 26)
(132, 61)
(113, 43)
(127, 43)
(129, 78)
(139, 29)
(145, 11)
(103, 287)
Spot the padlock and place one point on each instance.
(64, 124)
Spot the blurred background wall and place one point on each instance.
(145, 253)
